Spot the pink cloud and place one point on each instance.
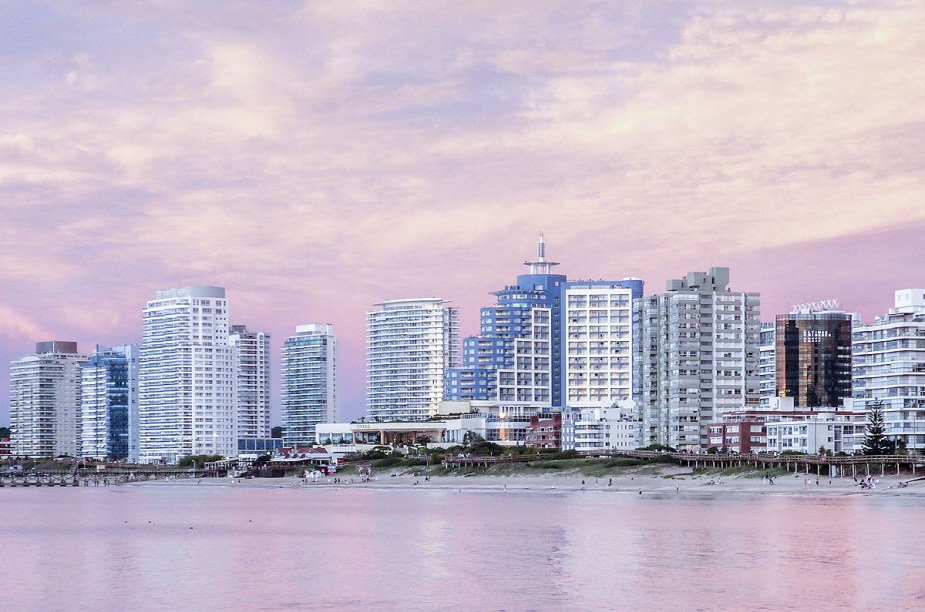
(319, 161)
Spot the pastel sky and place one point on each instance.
(316, 158)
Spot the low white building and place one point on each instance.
(344, 438)
(598, 429)
(505, 423)
(836, 432)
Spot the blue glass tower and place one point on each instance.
(495, 349)
(107, 397)
(519, 354)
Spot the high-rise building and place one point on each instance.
(767, 365)
(187, 377)
(109, 403)
(512, 358)
(598, 344)
(253, 381)
(699, 352)
(45, 401)
(889, 368)
(549, 342)
(813, 356)
(309, 383)
(410, 344)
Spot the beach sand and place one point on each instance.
(668, 480)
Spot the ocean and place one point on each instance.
(227, 547)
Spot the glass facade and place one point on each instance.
(259, 445)
(309, 382)
(106, 390)
(813, 358)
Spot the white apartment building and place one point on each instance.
(699, 344)
(529, 380)
(187, 376)
(410, 343)
(344, 438)
(617, 427)
(839, 433)
(45, 401)
(597, 344)
(309, 383)
(888, 367)
(253, 381)
(767, 364)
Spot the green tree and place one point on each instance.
(198, 461)
(875, 442)
(378, 452)
(4, 432)
(276, 432)
(470, 438)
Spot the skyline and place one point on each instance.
(315, 159)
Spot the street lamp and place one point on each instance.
(916, 406)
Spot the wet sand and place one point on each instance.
(668, 481)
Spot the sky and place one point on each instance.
(316, 158)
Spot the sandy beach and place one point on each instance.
(664, 481)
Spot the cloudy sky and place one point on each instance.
(315, 158)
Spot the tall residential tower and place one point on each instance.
(309, 383)
(410, 344)
(109, 404)
(699, 357)
(187, 369)
(45, 401)
(252, 349)
(889, 368)
(550, 342)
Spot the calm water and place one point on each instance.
(126, 548)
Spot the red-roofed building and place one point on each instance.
(545, 431)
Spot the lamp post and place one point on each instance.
(912, 447)
(917, 404)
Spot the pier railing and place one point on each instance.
(844, 466)
(842, 463)
(93, 477)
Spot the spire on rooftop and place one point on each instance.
(541, 266)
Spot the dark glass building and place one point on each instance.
(813, 358)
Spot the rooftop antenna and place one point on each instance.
(541, 266)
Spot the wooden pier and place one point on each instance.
(486, 461)
(99, 478)
(857, 465)
(44, 480)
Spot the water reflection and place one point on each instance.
(235, 548)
